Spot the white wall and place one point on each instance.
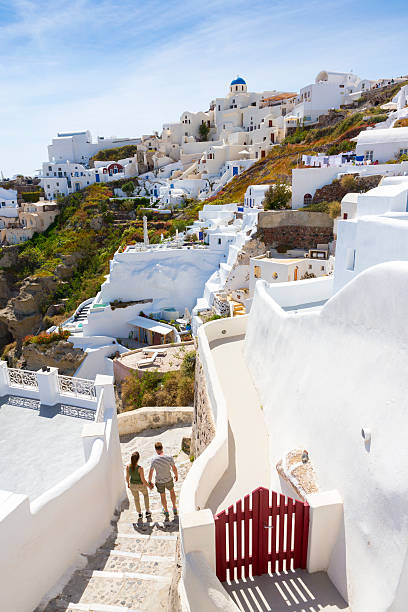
(171, 277)
(42, 541)
(366, 241)
(295, 293)
(352, 376)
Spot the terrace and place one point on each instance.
(61, 477)
(42, 416)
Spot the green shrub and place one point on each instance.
(128, 188)
(348, 181)
(298, 136)
(344, 146)
(277, 197)
(188, 364)
(32, 196)
(203, 130)
(331, 208)
(114, 154)
(378, 118)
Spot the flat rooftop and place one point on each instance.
(164, 363)
(39, 445)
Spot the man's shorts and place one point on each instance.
(162, 486)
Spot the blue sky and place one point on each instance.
(125, 67)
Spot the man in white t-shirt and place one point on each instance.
(163, 465)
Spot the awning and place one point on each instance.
(151, 325)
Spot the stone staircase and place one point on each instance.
(132, 571)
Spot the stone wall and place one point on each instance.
(294, 228)
(221, 307)
(203, 425)
(135, 421)
(336, 191)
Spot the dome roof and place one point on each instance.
(238, 81)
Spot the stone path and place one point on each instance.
(133, 569)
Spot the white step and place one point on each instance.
(117, 575)
(98, 607)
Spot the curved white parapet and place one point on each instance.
(43, 542)
(310, 291)
(200, 590)
(204, 475)
(210, 466)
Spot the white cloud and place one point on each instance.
(126, 67)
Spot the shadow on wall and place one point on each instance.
(226, 483)
(338, 562)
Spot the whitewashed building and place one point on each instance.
(8, 203)
(296, 267)
(373, 229)
(78, 147)
(255, 195)
(382, 145)
(330, 90)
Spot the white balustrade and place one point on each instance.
(22, 378)
(77, 387)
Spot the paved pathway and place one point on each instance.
(133, 569)
(247, 437)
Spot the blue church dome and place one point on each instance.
(238, 81)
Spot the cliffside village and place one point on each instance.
(292, 477)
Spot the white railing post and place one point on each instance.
(4, 380)
(326, 515)
(198, 534)
(48, 386)
(90, 433)
(104, 383)
(100, 407)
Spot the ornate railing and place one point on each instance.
(77, 387)
(22, 378)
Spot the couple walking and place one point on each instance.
(162, 465)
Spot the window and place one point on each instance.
(257, 272)
(310, 266)
(219, 240)
(345, 215)
(403, 152)
(369, 155)
(307, 199)
(322, 268)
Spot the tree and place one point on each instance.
(204, 130)
(128, 188)
(277, 197)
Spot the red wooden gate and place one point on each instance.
(273, 528)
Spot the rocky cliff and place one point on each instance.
(61, 355)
